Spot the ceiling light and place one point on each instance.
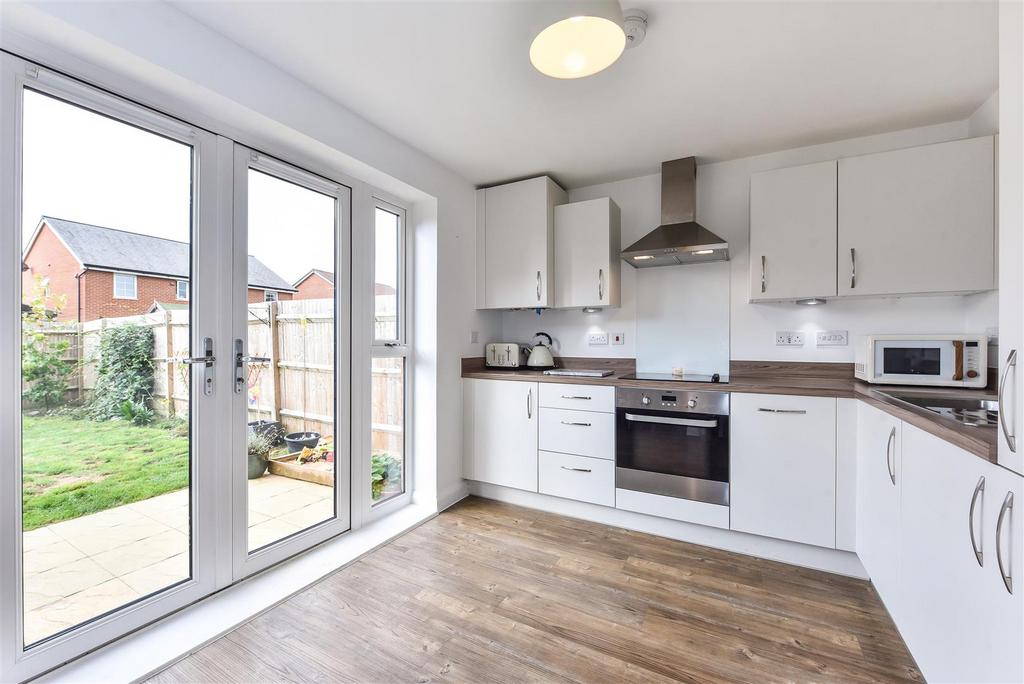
(591, 309)
(813, 301)
(578, 39)
(702, 252)
(642, 257)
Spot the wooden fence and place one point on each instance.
(294, 385)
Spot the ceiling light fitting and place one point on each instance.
(580, 38)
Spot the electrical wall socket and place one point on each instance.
(597, 339)
(474, 337)
(617, 338)
(789, 338)
(831, 338)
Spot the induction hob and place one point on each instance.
(669, 377)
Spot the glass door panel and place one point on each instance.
(106, 446)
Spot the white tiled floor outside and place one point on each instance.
(81, 568)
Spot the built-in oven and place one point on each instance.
(673, 443)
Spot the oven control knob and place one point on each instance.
(645, 400)
(692, 403)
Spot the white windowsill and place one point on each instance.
(146, 652)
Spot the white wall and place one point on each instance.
(723, 207)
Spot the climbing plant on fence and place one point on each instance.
(44, 367)
(125, 372)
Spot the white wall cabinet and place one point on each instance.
(515, 244)
(500, 432)
(587, 248)
(918, 220)
(783, 467)
(793, 232)
(879, 441)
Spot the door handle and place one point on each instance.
(686, 422)
(853, 268)
(979, 489)
(764, 282)
(240, 361)
(206, 361)
(529, 403)
(1011, 362)
(577, 470)
(889, 459)
(538, 286)
(600, 284)
(771, 410)
(575, 396)
(566, 422)
(1007, 576)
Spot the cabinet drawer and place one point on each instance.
(584, 433)
(577, 477)
(579, 397)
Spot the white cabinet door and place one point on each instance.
(783, 467)
(878, 476)
(1011, 238)
(584, 433)
(515, 247)
(587, 247)
(793, 232)
(942, 612)
(918, 220)
(577, 477)
(501, 433)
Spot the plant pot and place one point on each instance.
(257, 465)
(267, 428)
(297, 441)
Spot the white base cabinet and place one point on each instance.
(580, 478)
(783, 467)
(500, 432)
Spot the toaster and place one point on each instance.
(504, 355)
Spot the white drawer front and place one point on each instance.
(584, 433)
(577, 477)
(579, 397)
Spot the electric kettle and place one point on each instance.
(540, 354)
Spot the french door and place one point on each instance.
(174, 365)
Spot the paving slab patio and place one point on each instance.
(78, 569)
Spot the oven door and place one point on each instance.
(685, 455)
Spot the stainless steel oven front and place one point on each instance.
(673, 443)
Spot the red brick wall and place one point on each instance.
(256, 295)
(50, 259)
(98, 295)
(314, 287)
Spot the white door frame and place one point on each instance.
(17, 663)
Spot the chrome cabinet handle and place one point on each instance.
(575, 396)
(566, 422)
(206, 361)
(889, 464)
(1007, 576)
(529, 403)
(600, 284)
(979, 489)
(764, 282)
(538, 286)
(633, 418)
(1011, 362)
(853, 268)
(577, 470)
(771, 410)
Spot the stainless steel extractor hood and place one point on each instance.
(679, 239)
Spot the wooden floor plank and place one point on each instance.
(489, 592)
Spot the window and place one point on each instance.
(182, 290)
(270, 295)
(389, 365)
(125, 286)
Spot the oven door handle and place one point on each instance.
(688, 422)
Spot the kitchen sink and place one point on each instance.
(970, 410)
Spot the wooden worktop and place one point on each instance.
(757, 377)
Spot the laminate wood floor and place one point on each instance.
(488, 592)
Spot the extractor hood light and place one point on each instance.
(579, 43)
(814, 301)
(703, 252)
(642, 257)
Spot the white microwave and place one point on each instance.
(945, 360)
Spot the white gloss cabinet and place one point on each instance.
(918, 220)
(879, 440)
(515, 244)
(587, 248)
(783, 467)
(793, 232)
(577, 477)
(500, 432)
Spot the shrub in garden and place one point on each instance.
(383, 467)
(42, 356)
(124, 374)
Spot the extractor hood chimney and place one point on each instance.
(679, 239)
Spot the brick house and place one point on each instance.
(106, 273)
(316, 284)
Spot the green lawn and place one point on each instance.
(74, 467)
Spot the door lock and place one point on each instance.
(206, 361)
(240, 360)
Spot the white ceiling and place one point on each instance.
(717, 80)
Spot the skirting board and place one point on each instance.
(828, 560)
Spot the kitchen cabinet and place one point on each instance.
(500, 432)
(1011, 233)
(783, 467)
(955, 613)
(918, 220)
(793, 232)
(879, 442)
(577, 397)
(515, 244)
(577, 477)
(585, 433)
(587, 247)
